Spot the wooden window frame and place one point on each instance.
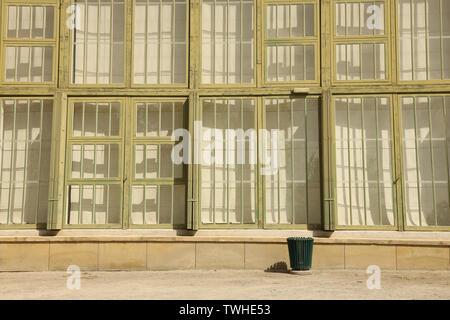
(258, 216)
(385, 39)
(293, 225)
(397, 47)
(10, 225)
(154, 140)
(395, 185)
(126, 36)
(83, 140)
(163, 85)
(403, 184)
(29, 42)
(199, 52)
(292, 41)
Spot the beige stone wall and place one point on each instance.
(210, 255)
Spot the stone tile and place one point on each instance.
(82, 254)
(362, 256)
(328, 256)
(170, 256)
(24, 256)
(213, 256)
(422, 258)
(122, 256)
(264, 256)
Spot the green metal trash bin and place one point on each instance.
(300, 252)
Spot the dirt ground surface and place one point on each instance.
(226, 284)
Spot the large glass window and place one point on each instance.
(25, 138)
(424, 39)
(95, 144)
(228, 41)
(426, 131)
(291, 42)
(29, 43)
(158, 184)
(98, 42)
(160, 31)
(292, 193)
(361, 39)
(364, 170)
(228, 171)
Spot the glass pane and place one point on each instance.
(297, 150)
(98, 43)
(290, 63)
(360, 18)
(360, 61)
(25, 161)
(137, 205)
(160, 49)
(424, 123)
(26, 22)
(227, 41)
(114, 203)
(100, 204)
(424, 39)
(29, 64)
(152, 161)
(179, 205)
(229, 158)
(364, 161)
(96, 119)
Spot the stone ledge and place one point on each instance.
(221, 239)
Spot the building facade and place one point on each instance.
(92, 93)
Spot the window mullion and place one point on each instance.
(291, 107)
(363, 151)
(13, 143)
(25, 162)
(349, 155)
(432, 160)
(417, 162)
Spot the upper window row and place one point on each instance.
(160, 29)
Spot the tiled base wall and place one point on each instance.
(143, 255)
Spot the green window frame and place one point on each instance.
(154, 121)
(101, 30)
(161, 41)
(355, 36)
(365, 164)
(281, 47)
(298, 161)
(29, 48)
(222, 35)
(217, 179)
(423, 40)
(25, 138)
(425, 125)
(231, 111)
(94, 166)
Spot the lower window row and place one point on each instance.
(259, 162)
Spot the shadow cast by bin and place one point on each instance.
(278, 267)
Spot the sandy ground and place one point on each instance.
(227, 284)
